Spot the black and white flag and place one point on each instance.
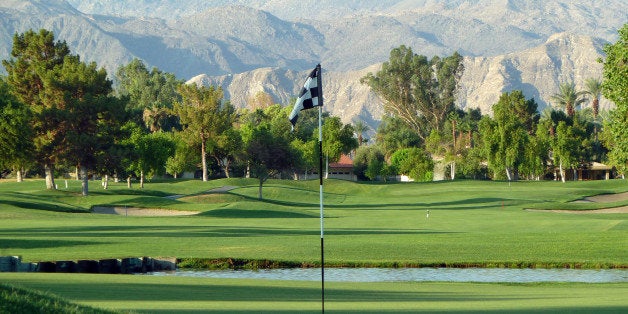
(311, 95)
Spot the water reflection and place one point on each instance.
(417, 274)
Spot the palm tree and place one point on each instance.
(593, 88)
(360, 127)
(154, 118)
(569, 98)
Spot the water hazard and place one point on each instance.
(508, 275)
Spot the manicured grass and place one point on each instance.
(470, 223)
(20, 300)
(194, 295)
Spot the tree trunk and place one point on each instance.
(19, 176)
(508, 174)
(76, 173)
(85, 181)
(453, 134)
(259, 193)
(596, 108)
(452, 167)
(204, 159)
(142, 179)
(570, 110)
(562, 171)
(470, 139)
(227, 164)
(106, 183)
(327, 167)
(128, 182)
(50, 179)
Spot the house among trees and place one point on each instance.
(343, 169)
(589, 171)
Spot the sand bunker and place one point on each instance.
(615, 210)
(604, 198)
(134, 211)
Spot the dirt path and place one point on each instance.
(222, 189)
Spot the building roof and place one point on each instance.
(600, 166)
(344, 162)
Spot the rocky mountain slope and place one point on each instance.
(270, 45)
(537, 72)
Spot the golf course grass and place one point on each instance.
(195, 295)
(470, 223)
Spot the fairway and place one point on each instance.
(471, 223)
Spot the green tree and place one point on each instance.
(369, 163)
(34, 56)
(204, 117)
(89, 114)
(565, 147)
(507, 135)
(16, 136)
(268, 150)
(184, 158)
(392, 135)
(418, 91)
(569, 98)
(615, 88)
(413, 162)
(151, 94)
(468, 157)
(337, 139)
(151, 152)
(228, 147)
(308, 153)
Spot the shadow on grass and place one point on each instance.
(463, 204)
(232, 293)
(195, 232)
(370, 300)
(253, 213)
(56, 207)
(36, 244)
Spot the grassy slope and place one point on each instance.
(194, 295)
(19, 300)
(470, 222)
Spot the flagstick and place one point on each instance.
(320, 172)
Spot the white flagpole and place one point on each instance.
(320, 172)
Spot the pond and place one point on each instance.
(416, 274)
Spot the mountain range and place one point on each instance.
(271, 45)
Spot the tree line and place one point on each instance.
(422, 125)
(60, 113)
